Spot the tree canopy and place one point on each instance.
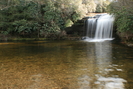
(40, 18)
(123, 11)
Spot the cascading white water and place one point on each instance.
(91, 26)
(103, 25)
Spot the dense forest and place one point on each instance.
(123, 11)
(49, 18)
(43, 18)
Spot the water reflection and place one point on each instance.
(65, 65)
(103, 52)
(110, 83)
(99, 75)
(103, 56)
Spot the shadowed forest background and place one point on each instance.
(50, 18)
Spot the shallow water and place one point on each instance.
(65, 65)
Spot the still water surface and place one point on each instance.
(65, 65)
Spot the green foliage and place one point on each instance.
(102, 7)
(53, 21)
(26, 18)
(68, 23)
(18, 19)
(90, 5)
(25, 26)
(75, 17)
(123, 16)
(99, 8)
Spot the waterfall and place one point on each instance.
(99, 28)
(91, 25)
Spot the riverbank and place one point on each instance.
(34, 39)
(20, 39)
(126, 43)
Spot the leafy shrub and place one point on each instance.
(99, 8)
(36, 17)
(123, 17)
